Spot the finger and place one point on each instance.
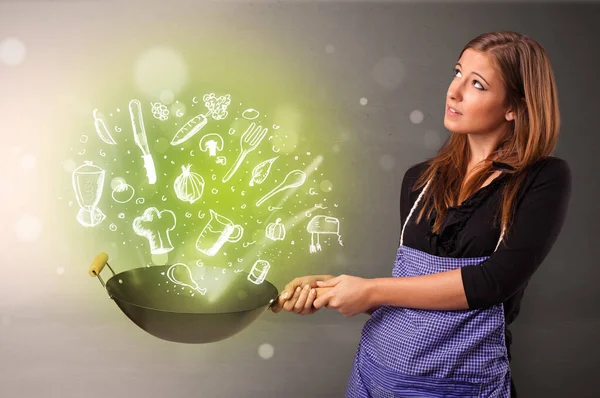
(289, 305)
(308, 306)
(291, 287)
(323, 299)
(299, 306)
(329, 283)
(281, 299)
(312, 295)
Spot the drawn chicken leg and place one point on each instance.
(139, 135)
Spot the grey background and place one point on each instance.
(61, 337)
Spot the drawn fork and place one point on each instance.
(251, 138)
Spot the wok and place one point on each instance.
(180, 312)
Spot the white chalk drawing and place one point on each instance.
(112, 227)
(276, 127)
(216, 232)
(180, 274)
(83, 139)
(155, 226)
(246, 244)
(101, 129)
(250, 114)
(82, 152)
(231, 131)
(139, 135)
(261, 171)
(211, 143)
(189, 186)
(160, 111)
(123, 192)
(259, 272)
(88, 183)
(221, 160)
(253, 135)
(271, 208)
(312, 192)
(322, 225)
(275, 231)
(293, 179)
(102, 153)
(275, 150)
(320, 206)
(217, 108)
(140, 201)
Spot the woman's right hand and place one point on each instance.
(299, 294)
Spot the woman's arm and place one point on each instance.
(537, 223)
(441, 291)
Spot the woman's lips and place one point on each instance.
(450, 113)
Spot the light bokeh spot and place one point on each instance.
(28, 228)
(12, 51)
(266, 351)
(161, 72)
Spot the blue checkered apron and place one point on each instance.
(406, 352)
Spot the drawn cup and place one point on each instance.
(216, 232)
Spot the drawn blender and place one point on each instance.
(253, 135)
(139, 135)
(294, 179)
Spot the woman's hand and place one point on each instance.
(299, 294)
(349, 295)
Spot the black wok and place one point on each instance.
(181, 312)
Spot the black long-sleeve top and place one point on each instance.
(468, 231)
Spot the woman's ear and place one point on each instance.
(509, 116)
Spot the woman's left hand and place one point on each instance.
(349, 295)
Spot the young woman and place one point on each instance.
(477, 220)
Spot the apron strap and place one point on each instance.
(415, 206)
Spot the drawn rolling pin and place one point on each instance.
(139, 135)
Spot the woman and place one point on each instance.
(477, 221)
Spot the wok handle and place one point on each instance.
(322, 290)
(98, 265)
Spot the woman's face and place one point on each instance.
(477, 92)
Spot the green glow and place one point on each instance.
(300, 115)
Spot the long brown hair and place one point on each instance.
(531, 91)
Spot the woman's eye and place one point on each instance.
(475, 81)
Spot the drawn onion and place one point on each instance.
(189, 186)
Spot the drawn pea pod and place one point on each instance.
(101, 129)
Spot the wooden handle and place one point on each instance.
(322, 290)
(98, 264)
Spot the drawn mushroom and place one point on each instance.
(211, 143)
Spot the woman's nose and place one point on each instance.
(454, 92)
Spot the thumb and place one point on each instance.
(329, 283)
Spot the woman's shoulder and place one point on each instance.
(414, 171)
(550, 167)
(550, 174)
